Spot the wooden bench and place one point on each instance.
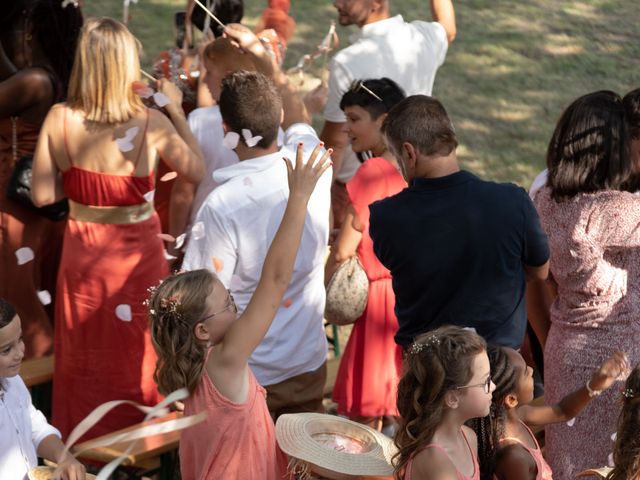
(37, 371)
(155, 453)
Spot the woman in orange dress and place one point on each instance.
(105, 144)
(36, 54)
(366, 385)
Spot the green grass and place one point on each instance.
(515, 65)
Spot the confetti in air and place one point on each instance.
(149, 196)
(571, 422)
(180, 240)
(24, 255)
(230, 140)
(44, 296)
(218, 265)
(123, 312)
(161, 99)
(168, 176)
(125, 143)
(249, 139)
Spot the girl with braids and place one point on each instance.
(507, 448)
(447, 382)
(626, 453)
(202, 346)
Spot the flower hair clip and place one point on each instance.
(628, 393)
(430, 341)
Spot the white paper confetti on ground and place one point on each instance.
(614, 435)
(44, 296)
(149, 196)
(197, 231)
(161, 99)
(230, 140)
(168, 176)
(123, 312)
(24, 255)
(125, 143)
(610, 460)
(571, 422)
(180, 240)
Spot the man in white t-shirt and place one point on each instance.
(407, 53)
(240, 218)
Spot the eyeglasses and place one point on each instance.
(486, 384)
(358, 85)
(231, 305)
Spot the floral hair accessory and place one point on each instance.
(628, 393)
(430, 341)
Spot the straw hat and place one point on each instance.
(335, 447)
(46, 473)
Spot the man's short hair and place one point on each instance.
(249, 100)
(423, 122)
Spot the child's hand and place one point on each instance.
(71, 469)
(609, 371)
(304, 176)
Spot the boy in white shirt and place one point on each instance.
(25, 434)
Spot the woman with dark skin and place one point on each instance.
(36, 54)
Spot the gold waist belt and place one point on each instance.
(111, 215)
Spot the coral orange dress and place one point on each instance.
(21, 227)
(103, 348)
(370, 367)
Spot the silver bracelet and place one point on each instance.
(592, 393)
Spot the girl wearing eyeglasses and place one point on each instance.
(507, 448)
(447, 382)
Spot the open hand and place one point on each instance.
(609, 371)
(303, 176)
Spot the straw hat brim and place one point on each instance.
(46, 473)
(297, 436)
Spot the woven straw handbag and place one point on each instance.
(347, 293)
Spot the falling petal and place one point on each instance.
(44, 296)
(168, 176)
(249, 139)
(218, 264)
(230, 140)
(614, 435)
(287, 303)
(123, 312)
(180, 240)
(247, 181)
(166, 237)
(24, 255)
(141, 89)
(197, 231)
(149, 196)
(610, 460)
(168, 256)
(125, 143)
(161, 99)
(571, 422)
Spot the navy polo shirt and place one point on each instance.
(456, 247)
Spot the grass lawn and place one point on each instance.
(513, 68)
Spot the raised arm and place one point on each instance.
(575, 402)
(249, 330)
(443, 13)
(46, 184)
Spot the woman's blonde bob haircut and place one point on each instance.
(106, 64)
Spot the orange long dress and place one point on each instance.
(21, 227)
(103, 348)
(369, 371)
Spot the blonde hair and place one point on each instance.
(106, 65)
(175, 308)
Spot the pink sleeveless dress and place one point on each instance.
(237, 441)
(476, 467)
(103, 348)
(544, 470)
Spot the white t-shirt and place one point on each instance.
(407, 53)
(22, 428)
(241, 217)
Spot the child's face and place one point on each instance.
(11, 348)
(475, 400)
(220, 314)
(524, 376)
(364, 132)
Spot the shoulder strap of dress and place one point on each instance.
(64, 135)
(142, 142)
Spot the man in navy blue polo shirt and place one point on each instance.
(460, 249)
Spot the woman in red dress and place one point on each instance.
(36, 53)
(366, 385)
(100, 149)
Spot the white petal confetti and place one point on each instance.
(571, 422)
(180, 240)
(230, 140)
(197, 231)
(168, 176)
(250, 140)
(123, 312)
(149, 196)
(125, 144)
(44, 296)
(614, 435)
(24, 255)
(161, 99)
(168, 256)
(610, 460)
(247, 181)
